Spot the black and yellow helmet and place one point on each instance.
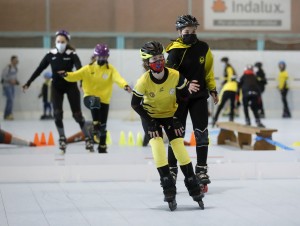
(151, 49)
(185, 21)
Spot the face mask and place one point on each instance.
(255, 70)
(189, 39)
(157, 66)
(102, 62)
(61, 47)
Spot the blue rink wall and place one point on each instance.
(129, 65)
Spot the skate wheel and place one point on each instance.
(172, 205)
(201, 205)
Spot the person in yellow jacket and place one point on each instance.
(97, 83)
(228, 92)
(155, 100)
(284, 88)
(228, 70)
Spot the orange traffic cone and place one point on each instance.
(50, 139)
(36, 140)
(43, 139)
(193, 140)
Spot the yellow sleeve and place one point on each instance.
(139, 88)
(76, 75)
(229, 72)
(282, 78)
(117, 78)
(209, 71)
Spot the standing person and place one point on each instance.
(46, 95)
(228, 92)
(284, 88)
(63, 58)
(262, 82)
(228, 70)
(251, 92)
(97, 83)
(193, 59)
(154, 99)
(9, 80)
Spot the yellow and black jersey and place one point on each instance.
(97, 80)
(228, 72)
(283, 80)
(155, 98)
(194, 62)
(232, 86)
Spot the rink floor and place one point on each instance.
(38, 186)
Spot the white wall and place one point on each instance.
(129, 64)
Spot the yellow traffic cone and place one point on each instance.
(122, 140)
(296, 144)
(139, 140)
(130, 139)
(108, 138)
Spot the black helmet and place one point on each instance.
(151, 49)
(225, 59)
(258, 64)
(186, 20)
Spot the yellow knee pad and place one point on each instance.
(158, 152)
(180, 151)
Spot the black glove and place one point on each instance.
(178, 127)
(153, 128)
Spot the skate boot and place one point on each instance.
(201, 173)
(102, 148)
(89, 145)
(193, 186)
(259, 124)
(248, 122)
(169, 190)
(62, 144)
(174, 172)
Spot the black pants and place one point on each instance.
(252, 102)
(73, 96)
(198, 110)
(286, 109)
(227, 95)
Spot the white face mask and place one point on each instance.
(255, 70)
(61, 47)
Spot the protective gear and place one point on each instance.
(169, 188)
(101, 50)
(174, 172)
(92, 102)
(258, 64)
(102, 148)
(63, 33)
(102, 62)
(151, 49)
(282, 63)
(193, 186)
(201, 137)
(177, 124)
(185, 21)
(225, 59)
(157, 66)
(61, 47)
(189, 39)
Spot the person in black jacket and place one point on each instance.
(251, 93)
(63, 58)
(262, 82)
(194, 60)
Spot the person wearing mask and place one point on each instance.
(97, 79)
(9, 80)
(154, 99)
(284, 88)
(194, 60)
(262, 82)
(250, 90)
(63, 58)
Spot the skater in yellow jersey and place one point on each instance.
(154, 99)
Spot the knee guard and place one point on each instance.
(158, 152)
(180, 152)
(92, 102)
(78, 117)
(201, 137)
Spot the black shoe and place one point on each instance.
(89, 145)
(102, 148)
(201, 174)
(62, 144)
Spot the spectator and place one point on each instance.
(46, 95)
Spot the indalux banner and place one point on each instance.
(247, 14)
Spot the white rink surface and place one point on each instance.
(40, 187)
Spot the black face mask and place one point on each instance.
(189, 39)
(102, 62)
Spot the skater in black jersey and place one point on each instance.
(193, 59)
(154, 99)
(62, 58)
(262, 82)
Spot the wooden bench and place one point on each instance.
(244, 136)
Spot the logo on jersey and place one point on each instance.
(53, 58)
(201, 60)
(161, 89)
(105, 76)
(172, 91)
(67, 58)
(151, 94)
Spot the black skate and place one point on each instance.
(102, 148)
(201, 173)
(193, 186)
(62, 144)
(169, 188)
(89, 145)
